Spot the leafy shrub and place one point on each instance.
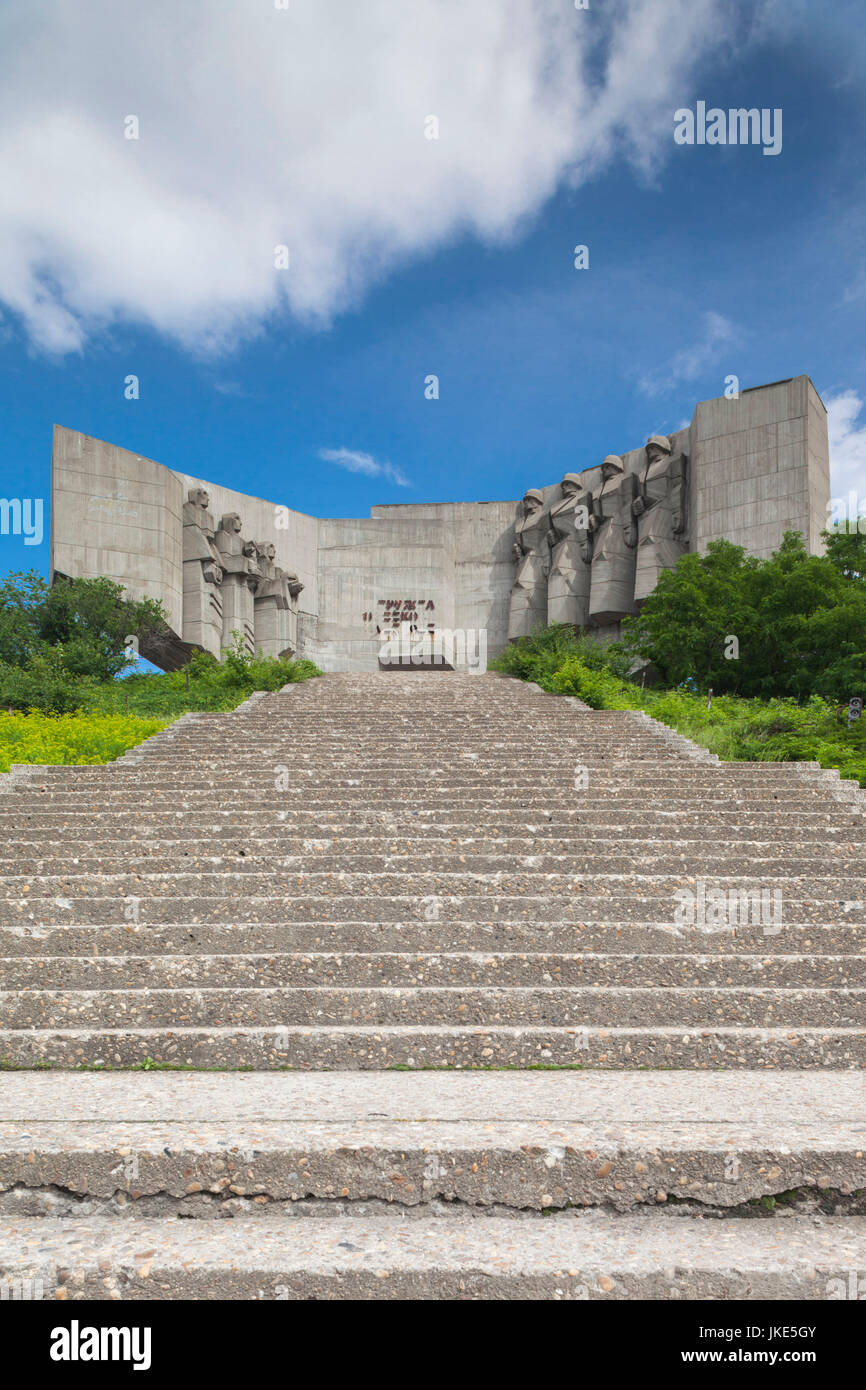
(42, 684)
(736, 728)
(213, 685)
(799, 619)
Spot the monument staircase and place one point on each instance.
(424, 985)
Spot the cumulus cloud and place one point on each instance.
(356, 462)
(302, 127)
(847, 432)
(690, 362)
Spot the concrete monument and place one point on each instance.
(275, 605)
(747, 469)
(241, 573)
(202, 575)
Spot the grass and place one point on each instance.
(212, 687)
(737, 729)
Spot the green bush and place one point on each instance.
(597, 687)
(58, 718)
(539, 657)
(42, 684)
(213, 685)
(736, 728)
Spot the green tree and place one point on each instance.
(799, 621)
(83, 623)
(847, 551)
(684, 625)
(20, 595)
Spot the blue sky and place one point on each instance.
(704, 261)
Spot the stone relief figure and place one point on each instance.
(294, 583)
(196, 510)
(295, 587)
(239, 559)
(254, 569)
(570, 540)
(267, 554)
(614, 529)
(531, 554)
(276, 608)
(202, 575)
(660, 510)
(228, 535)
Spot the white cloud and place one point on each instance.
(690, 362)
(356, 462)
(847, 444)
(305, 127)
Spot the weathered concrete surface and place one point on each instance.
(587, 1256)
(416, 860)
(756, 1098)
(447, 899)
(217, 1145)
(117, 514)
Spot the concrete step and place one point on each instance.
(379, 1047)
(465, 766)
(190, 1145)
(27, 857)
(327, 857)
(834, 818)
(562, 1258)
(430, 935)
(351, 838)
(440, 903)
(394, 970)
(18, 812)
(494, 1005)
(230, 878)
(394, 800)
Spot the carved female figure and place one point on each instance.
(531, 554)
(276, 607)
(660, 509)
(202, 575)
(614, 538)
(570, 540)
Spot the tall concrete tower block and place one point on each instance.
(761, 467)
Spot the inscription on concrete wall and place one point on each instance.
(391, 612)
